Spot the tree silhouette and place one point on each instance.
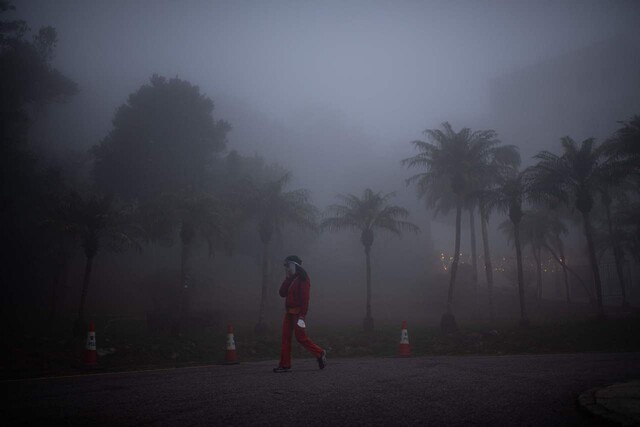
(550, 231)
(502, 158)
(28, 80)
(627, 223)
(194, 215)
(454, 159)
(273, 207)
(611, 187)
(367, 214)
(164, 139)
(574, 178)
(62, 242)
(553, 243)
(26, 75)
(160, 152)
(97, 222)
(540, 230)
(624, 148)
(508, 197)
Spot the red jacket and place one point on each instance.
(297, 292)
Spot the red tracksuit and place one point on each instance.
(296, 291)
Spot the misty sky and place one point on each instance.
(321, 82)
(391, 68)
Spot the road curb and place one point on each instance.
(618, 403)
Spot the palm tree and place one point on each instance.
(624, 147)
(507, 197)
(195, 215)
(455, 160)
(574, 178)
(539, 230)
(97, 222)
(606, 190)
(546, 230)
(535, 231)
(474, 250)
(273, 207)
(623, 151)
(488, 266)
(628, 227)
(554, 229)
(367, 214)
(502, 158)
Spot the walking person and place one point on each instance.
(295, 288)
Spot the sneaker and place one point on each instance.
(280, 369)
(322, 360)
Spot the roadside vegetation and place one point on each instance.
(165, 175)
(125, 344)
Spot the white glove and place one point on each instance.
(301, 323)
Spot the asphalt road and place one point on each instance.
(474, 390)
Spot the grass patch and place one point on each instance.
(125, 343)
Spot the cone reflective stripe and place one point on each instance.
(405, 348)
(90, 353)
(231, 356)
(231, 342)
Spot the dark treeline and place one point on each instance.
(472, 171)
(165, 175)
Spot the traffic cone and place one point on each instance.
(90, 354)
(231, 357)
(405, 348)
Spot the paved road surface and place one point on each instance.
(474, 390)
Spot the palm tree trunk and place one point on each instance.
(456, 258)
(474, 253)
(368, 319)
(79, 327)
(593, 260)
(186, 237)
(565, 273)
(560, 259)
(488, 268)
(524, 320)
(536, 257)
(184, 279)
(617, 256)
(261, 327)
(448, 322)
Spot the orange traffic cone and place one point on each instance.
(90, 354)
(231, 357)
(405, 348)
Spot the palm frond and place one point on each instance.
(339, 223)
(369, 212)
(463, 163)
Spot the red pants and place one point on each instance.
(288, 326)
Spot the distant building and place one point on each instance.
(581, 94)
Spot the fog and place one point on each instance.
(335, 92)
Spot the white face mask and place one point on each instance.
(291, 268)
